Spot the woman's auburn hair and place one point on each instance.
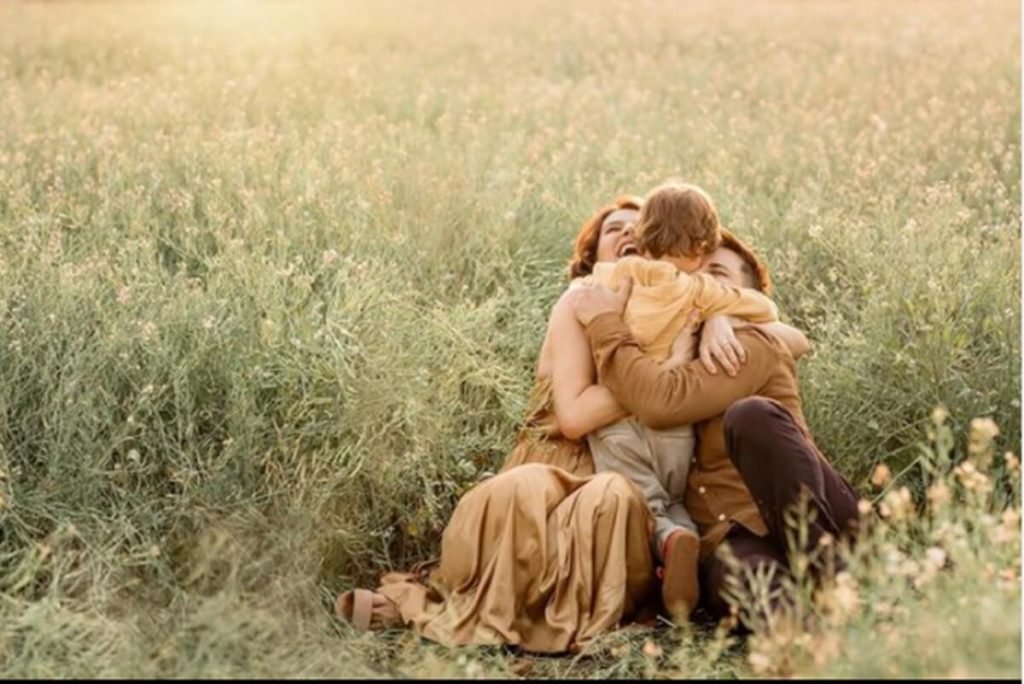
(754, 267)
(584, 253)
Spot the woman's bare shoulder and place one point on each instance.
(561, 312)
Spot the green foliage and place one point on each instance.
(273, 280)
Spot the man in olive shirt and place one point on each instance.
(755, 457)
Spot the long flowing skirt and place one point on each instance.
(535, 557)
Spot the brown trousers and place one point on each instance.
(779, 466)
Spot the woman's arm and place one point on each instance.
(580, 405)
(544, 358)
(793, 338)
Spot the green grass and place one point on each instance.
(273, 278)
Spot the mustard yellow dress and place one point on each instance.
(545, 555)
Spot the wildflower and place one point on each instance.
(979, 447)
(267, 329)
(897, 505)
(935, 560)
(910, 568)
(651, 649)
(938, 495)
(124, 294)
(329, 257)
(939, 415)
(825, 648)
(893, 560)
(1012, 462)
(971, 478)
(984, 429)
(208, 323)
(881, 475)
(846, 595)
(1009, 530)
(864, 506)
(936, 557)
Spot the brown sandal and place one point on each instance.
(356, 607)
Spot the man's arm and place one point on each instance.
(667, 398)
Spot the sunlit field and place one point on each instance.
(274, 277)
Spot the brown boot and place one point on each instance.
(680, 587)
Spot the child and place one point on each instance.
(677, 226)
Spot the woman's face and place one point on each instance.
(616, 239)
(727, 267)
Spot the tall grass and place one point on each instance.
(273, 279)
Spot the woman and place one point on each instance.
(545, 555)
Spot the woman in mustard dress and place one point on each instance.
(545, 555)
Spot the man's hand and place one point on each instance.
(594, 299)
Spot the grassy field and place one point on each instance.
(274, 276)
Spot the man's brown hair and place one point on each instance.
(677, 219)
(753, 268)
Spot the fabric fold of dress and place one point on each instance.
(537, 556)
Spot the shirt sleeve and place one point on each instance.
(679, 396)
(713, 297)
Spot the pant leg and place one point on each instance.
(622, 448)
(754, 555)
(672, 452)
(780, 465)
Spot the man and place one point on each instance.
(755, 458)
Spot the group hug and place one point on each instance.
(664, 449)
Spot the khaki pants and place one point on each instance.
(657, 462)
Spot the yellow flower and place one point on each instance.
(1012, 462)
(979, 447)
(897, 505)
(939, 415)
(938, 495)
(881, 475)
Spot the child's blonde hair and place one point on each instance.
(678, 219)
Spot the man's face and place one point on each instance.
(727, 267)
